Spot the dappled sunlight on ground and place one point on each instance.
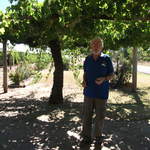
(44, 118)
(39, 126)
(51, 118)
(27, 122)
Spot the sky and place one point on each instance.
(5, 3)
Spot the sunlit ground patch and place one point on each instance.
(44, 118)
(73, 134)
(9, 113)
(54, 116)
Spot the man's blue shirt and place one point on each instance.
(94, 69)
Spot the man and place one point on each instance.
(98, 70)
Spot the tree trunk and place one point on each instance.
(56, 96)
(5, 86)
(134, 72)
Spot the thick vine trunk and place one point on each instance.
(56, 96)
(5, 86)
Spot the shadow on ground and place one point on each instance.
(137, 95)
(30, 124)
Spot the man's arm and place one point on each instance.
(100, 80)
(109, 77)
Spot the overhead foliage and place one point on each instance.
(119, 22)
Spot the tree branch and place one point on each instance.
(105, 17)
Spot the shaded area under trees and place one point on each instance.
(31, 124)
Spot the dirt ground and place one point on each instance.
(27, 122)
(144, 63)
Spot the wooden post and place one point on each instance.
(134, 71)
(5, 86)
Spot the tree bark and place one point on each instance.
(134, 72)
(5, 86)
(56, 96)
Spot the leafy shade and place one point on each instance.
(119, 23)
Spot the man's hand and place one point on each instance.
(84, 84)
(100, 80)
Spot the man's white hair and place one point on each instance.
(97, 39)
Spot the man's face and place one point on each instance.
(96, 47)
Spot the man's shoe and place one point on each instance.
(99, 140)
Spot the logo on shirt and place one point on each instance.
(104, 64)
